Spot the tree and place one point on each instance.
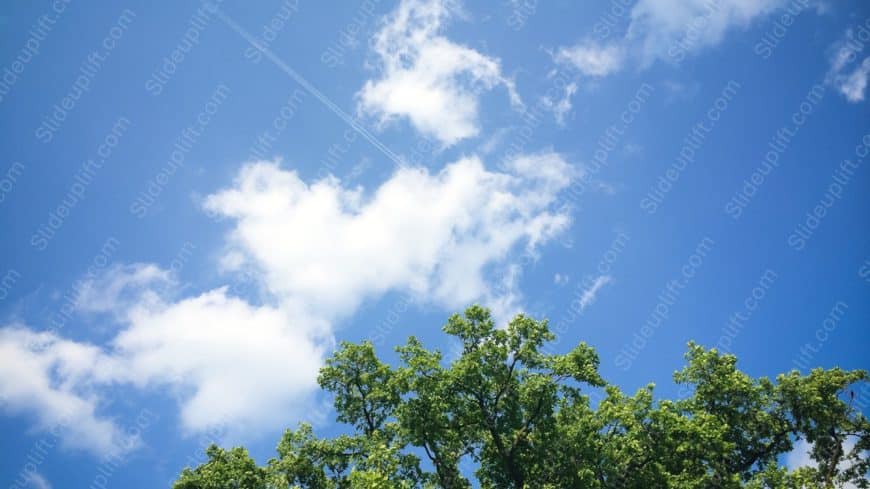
(506, 414)
(224, 469)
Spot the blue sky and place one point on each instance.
(198, 200)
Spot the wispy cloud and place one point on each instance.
(37, 481)
(105, 291)
(592, 59)
(665, 30)
(672, 31)
(593, 286)
(846, 74)
(562, 106)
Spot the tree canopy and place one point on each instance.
(507, 414)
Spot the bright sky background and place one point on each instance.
(197, 201)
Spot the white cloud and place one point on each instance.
(251, 367)
(844, 75)
(592, 59)
(229, 363)
(37, 481)
(493, 141)
(318, 250)
(105, 291)
(674, 29)
(324, 248)
(669, 30)
(52, 380)
(505, 300)
(427, 78)
(800, 456)
(855, 84)
(678, 91)
(563, 106)
(590, 293)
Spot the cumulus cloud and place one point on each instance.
(249, 367)
(426, 78)
(846, 74)
(318, 250)
(53, 380)
(324, 248)
(229, 363)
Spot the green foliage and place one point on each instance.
(225, 469)
(506, 414)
